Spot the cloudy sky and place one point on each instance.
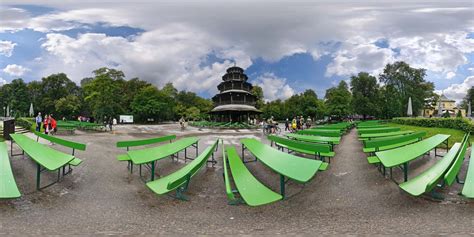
(285, 46)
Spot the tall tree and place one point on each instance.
(365, 93)
(403, 82)
(55, 87)
(338, 100)
(152, 103)
(257, 91)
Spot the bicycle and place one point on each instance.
(267, 129)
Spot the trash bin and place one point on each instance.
(8, 128)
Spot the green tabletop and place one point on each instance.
(401, 155)
(45, 156)
(294, 167)
(377, 130)
(385, 134)
(148, 155)
(309, 138)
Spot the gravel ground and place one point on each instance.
(102, 197)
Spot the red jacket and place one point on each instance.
(53, 123)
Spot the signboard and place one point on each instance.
(126, 119)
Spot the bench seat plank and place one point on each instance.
(168, 183)
(468, 188)
(8, 187)
(385, 134)
(425, 181)
(250, 189)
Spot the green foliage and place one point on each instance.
(306, 104)
(257, 91)
(25, 123)
(468, 98)
(338, 100)
(16, 96)
(152, 103)
(68, 106)
(193, 113)
(365, 94)
(401, 82)
(459, 114)
(462, 124)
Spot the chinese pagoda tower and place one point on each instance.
(235, 101)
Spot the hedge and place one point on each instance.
(24, 123)
(462, 124)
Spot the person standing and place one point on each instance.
(46, 124)
(39, 120)
(287, 125)
(302, 121)
(294, 124)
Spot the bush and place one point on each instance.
(462, 124)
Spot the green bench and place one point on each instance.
(318, 150)
(370, 136)
(180, 179)
(387, 143)
(8, 187)
(320, 132)
(444, 170)
(70, 144)
(377, 130)
(46, 158)
(468, 188)
(403, 155)
(150, 156)
(286, 165)
(315, 139)
(143, 142)
(252, 191)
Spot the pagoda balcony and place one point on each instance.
(234, 102)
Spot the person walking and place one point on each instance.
(294, 124)
(39, 120)
(308, 122)
(302, 122)
(53, 125)
(287, 125)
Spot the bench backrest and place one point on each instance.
(453, 171)
(387, 141)
(62, 142)
(316, 147)
(192, 168)
(145, 141)
(228, 187)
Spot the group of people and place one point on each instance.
(49, 124)
(298, 123)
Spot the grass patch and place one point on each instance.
(456, 135)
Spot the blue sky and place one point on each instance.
(285, 47)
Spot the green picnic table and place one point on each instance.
(287, 165)
(403, 155)
(151, 155)
(317, 139)
(369, 136)
(44, 156)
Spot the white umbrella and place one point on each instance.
(410, 109)
(32, 112)
(8, 111)
(469, 109)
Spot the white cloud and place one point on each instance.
(173, 53)
(458, 91)
(274, 87)
(6, 48)
(450, 75)
(15, 70)
(353, 58)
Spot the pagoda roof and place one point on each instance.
(235, 107)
